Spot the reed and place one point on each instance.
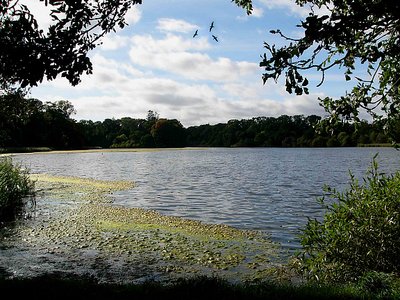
(15, 187)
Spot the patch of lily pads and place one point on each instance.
(83, 221)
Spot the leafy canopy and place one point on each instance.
(348, 34)
(28, 54)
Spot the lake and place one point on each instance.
(273, 190)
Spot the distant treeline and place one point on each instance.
(32, 123)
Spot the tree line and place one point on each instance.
(28, 122)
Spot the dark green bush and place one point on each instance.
(359, 233)
(15, 186)
(380, 285)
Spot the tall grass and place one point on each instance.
(15, 187)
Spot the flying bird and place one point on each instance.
(212, 25)
(195, 34)
(215, 38)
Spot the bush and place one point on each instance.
(380, 285)
(15, 185)
(359, 232)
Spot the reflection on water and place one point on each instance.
(268, 189)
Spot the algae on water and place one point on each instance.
(86, 223)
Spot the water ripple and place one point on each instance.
(272, 190)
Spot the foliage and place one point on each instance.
(358, 234)
(14, 186)
(29, 54)
(32, 123)
(168, 133)
(246, 4)
(349, 34)
(283, 131)
(380, 285)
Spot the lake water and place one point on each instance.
(269, 189)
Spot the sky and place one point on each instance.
(156, 64)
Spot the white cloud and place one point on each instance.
(187, 108)
(194, 86)
(174, 25)
(114, 42)
(258, 12)
(289, 6)
(170, 43)
(292, 8)
(40, 11)
(120, 95)
(133, 16)
(180, 56)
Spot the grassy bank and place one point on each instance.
(197, 288)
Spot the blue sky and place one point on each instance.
(156, 64)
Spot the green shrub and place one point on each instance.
(379, 285)
(359, 233)
(15, 186)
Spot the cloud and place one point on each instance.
(292, 8)
(289, 6)
(170, 43)
(189, 107)
(177, 76)
(40, 11)
(133, 16)
(180, 56)
(120, 95)
(175, 25)
(191, 104)
(113, 42)
(257, 12)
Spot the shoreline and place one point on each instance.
(46, 150)
(96, 150)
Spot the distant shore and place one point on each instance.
(15, 150)
(8, 151)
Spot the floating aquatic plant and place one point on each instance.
(167, 245)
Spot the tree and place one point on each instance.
(28, 54)
(27, 122)
(351, 34)
(168, 133)
(152, 116)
